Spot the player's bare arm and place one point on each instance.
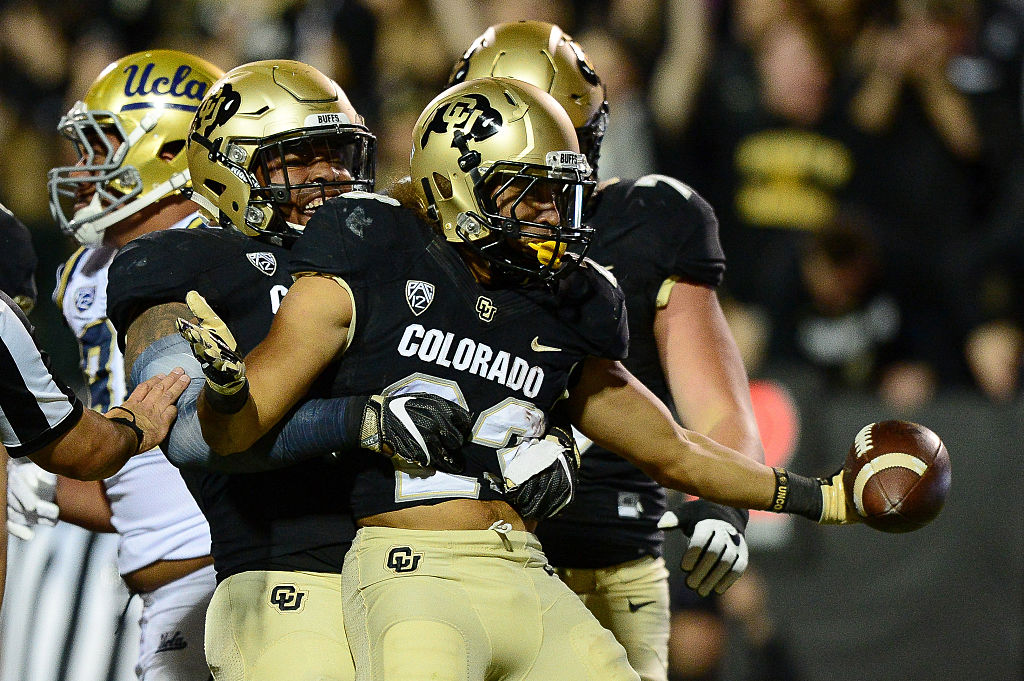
(149, 327)
(310, 329)
(611, 407)
(100, 444)
(704, 370)
(84, 503)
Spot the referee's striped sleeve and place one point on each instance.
(35, 407)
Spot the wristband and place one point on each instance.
(796, 494)
(227, 403)
(139, 435)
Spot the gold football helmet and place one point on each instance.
(257, 136)
(544, 56)
(496, 162)
(129, 132)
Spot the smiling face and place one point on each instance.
(310, 169)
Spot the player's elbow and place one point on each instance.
(673, 467)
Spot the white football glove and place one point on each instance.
(541, 479)
(716, 555)
(30, 497)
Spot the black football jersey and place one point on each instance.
(648, 230)
(295, 518)
(423, 323)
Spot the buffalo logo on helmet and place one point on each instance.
(470, 113)
(217, 110)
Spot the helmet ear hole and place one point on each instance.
(170, 150)
(214, 186)
(444, 186)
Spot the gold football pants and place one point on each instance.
(630, 600)
(468, 605)
(278, 626)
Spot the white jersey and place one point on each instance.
(153, 511)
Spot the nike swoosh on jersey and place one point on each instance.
(633, 607)
(536, 346)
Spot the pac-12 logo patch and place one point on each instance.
(84, 298)
(288, 598)
(419, 295)
(264, 262)
(401, 559)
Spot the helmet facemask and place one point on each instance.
(102, 171)
(273, 141)
(533, 214)
(297, 170)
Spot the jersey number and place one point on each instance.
(99, 352)
(500, 428)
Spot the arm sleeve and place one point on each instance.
(315, 428)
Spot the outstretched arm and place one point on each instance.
(611, 407)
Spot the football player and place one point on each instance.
(271, 142)
(661, 238)
(130, 179)
(478, 292)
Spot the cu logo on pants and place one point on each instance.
(402, 559)
(286, 598)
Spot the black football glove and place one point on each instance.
(420, 428)
(716, 555)
(541, 479)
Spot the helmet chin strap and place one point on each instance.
(90, 232)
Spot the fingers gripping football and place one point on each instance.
(542, 477)
(30, 497)
(423, 429)
(213, 345)
(716, 553)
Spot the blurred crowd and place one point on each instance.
(864, 157)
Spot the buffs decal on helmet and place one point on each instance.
(129, 133)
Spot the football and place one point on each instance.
(897, 475)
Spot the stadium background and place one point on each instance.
(864, 159)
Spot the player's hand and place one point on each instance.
(30, 495)
(542, 477)
(214, 346)
(150, 410)
(836, 506)
(716, 555)
(420, 428)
